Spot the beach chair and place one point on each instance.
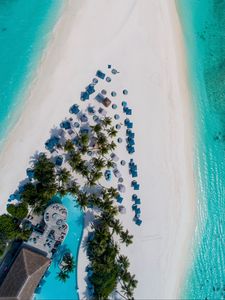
(119, 199)
(138, 221)
(137, 201)
(84, 96)
(131, 142)
(137, 211)
(100, 74)
(136, 187)
(74, 109)
(90, 89)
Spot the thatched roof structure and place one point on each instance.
(24, 275)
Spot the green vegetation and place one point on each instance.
(62, 276)
(19, 211)
(67, 266)
(109, 267)
(10, 230)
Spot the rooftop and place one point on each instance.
(24, 274)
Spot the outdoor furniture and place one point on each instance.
(123, 163)
(30, 173)
(95, 80)
(84, 96)
(90, 89)
(65, 125)
(136, 187)
(130, 141)
(74, 109)
(91, 110)
(59, 160)
(121, 188)
(119, 199)
(100, 74)
(134, 207)
(99, 97)
(138, 221)
(134, 196)
(83, 118)
(114, 71)
(137, 201)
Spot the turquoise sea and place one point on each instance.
(25, 28)
(203, 23)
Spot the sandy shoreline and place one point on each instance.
(143, 40)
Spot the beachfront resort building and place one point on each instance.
(24, 275)
(29, 265)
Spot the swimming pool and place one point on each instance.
(51, 287)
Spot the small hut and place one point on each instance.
(106, 102)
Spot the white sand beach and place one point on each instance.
(143, 40)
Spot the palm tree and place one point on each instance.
(107, 121)
(98, 162)
(123, 262)
(112, 146)
(62, 276)
(113, 192)
(109, 163)
(73, 188)
(112, 132)
(69, 146)
(126, 238)
(63, 176)
(82, 199)
(68, 263)
(74, 159)
(96, 128)
(116, 226)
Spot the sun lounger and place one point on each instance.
(134, 207)
(136, 187)
(138, 222)
(74, 109)
(137, 210)
(131, 142)
(137, 201)
(119, 199)
(84, 96)
(90, 89)
(100, 74)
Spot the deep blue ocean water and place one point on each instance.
(25, 28)
(203, 23)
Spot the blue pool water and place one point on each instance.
(25, 27)
(52, 288)
(203, 24)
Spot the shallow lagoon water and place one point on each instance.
(25, 28)
(203, 24)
